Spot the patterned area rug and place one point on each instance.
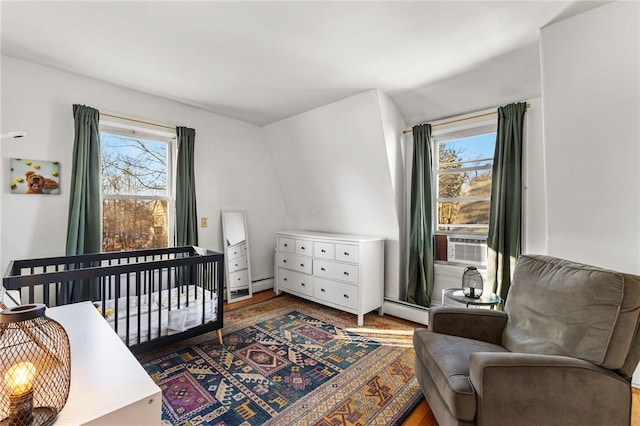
(287, 361)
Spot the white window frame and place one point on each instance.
(126, 129)
(445, 133)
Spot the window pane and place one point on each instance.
(476, 183)
(133, 166)
(463, 213)
(134, 224)
(471, 152)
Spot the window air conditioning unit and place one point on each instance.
(467, 250)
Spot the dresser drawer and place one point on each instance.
(334, 292)
(237, 250)
(295, 281)
(347, 253)
(324, 250)
(304, 247)
(286, 244)
(294, 262)
(335, 270)
(237, 263)
(239, 280)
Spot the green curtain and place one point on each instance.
(186, 213)
(505, 211)
(83, 229)
(421, 236)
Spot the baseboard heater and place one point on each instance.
(261, 284)
(407, 311)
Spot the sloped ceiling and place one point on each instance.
(264, 61)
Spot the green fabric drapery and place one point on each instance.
(505, 211)
(83, 229)
(186, 213)
(421, 237)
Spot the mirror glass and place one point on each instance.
(236, 251)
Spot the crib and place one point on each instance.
(150, 298)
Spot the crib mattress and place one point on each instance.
(160, 313)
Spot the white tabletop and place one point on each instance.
(329, 236)
(107, 381)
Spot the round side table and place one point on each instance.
(456, 294)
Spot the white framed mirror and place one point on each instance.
(236, 252)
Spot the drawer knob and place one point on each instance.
(302, 264)
(323, 251)
(286, 245)
(346, 273)
(284, 260)
(302, 248)
(346, 253)
(284, 279)
(322, 269)
(322, 290)
(239, 279)
(302, 284)
(346, 296)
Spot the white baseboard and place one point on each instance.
(406, 311)
(262, 284)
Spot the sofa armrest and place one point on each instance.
(525, 389)
(477, 324)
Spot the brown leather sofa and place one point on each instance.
(562, 353)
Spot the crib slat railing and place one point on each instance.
(116, 308)
(149, 295)
(172, 273)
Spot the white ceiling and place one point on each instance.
(263, 61)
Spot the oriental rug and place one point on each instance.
(287, 361)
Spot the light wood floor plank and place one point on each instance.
(635, 407)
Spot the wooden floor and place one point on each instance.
(257, 298)
(422, 415)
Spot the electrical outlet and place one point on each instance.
(204, 222)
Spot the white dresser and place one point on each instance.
(343, 271)
(237, 264)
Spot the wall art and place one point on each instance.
(34, 176)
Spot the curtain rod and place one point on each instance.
(137, 121)
(486, 114)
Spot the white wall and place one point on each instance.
(333, 170)
(395, 251)
(590, 91)
(534, 220)
(233, 167)
(591, 96)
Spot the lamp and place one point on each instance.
(35, 367)
(472, 282)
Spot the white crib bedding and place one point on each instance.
(166, 307)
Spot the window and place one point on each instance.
(136, 189)
(463, 172)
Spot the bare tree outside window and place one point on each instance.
(135, 193)
(464, 174)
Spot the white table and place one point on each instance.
(108, 385)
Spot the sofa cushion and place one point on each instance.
(446, 358)
(558, 307)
